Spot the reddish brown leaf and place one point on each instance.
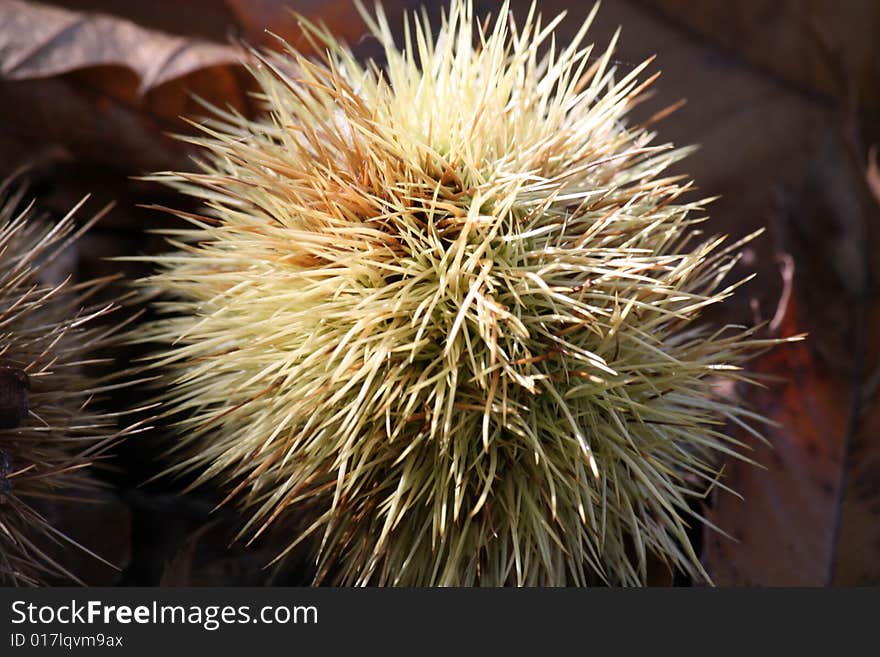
(872, 175)
(784, 526)
(812, 517)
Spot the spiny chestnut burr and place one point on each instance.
(51, 428)
(452, 307)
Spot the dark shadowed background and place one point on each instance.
(783, 98)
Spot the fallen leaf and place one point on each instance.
(106, 89)
(251, 20)
(783, 528)
(41, 41)
(872, 175)
(812, 517)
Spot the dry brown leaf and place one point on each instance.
(105, 88)
(41, 41)
(220, 20)
(857, 551)
(204, 19)
(783, 528)
(812, 518)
